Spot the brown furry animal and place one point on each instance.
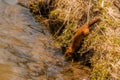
(79, 35)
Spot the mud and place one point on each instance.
(27, 50)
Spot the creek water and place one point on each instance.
(27, 50)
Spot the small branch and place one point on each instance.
(88, 14)
(23, 5)
(117, 4)
(102, 5)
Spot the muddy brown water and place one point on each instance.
(27, 50)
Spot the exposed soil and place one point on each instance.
(27, 50)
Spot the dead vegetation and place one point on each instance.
(64, 16)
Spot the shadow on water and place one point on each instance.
(27, 50)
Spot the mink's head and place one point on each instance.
(69, 51)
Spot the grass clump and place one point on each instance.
(104, 39)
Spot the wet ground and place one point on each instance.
(27, 50)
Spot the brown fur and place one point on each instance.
(79, 35)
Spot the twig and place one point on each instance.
(102, 3)
(23, 5)
(88, 14)
(117, 4)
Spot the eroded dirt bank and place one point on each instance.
(27, 51)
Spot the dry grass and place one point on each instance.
(104, 39)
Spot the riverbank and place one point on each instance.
(101, 47)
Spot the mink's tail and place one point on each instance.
(97, 19)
